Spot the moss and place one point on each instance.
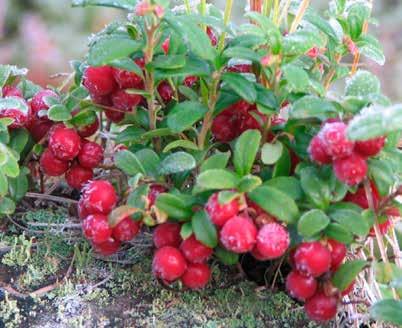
(10, 313)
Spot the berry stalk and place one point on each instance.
(299, 15)
(226, 19)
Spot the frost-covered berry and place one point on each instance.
(65, 143)
(196, 276)
(89, 129)
(126, 229)
(370, 147)
(195, 251)
(220, 213)
(359, 197)
(129, 80)
(351, 170)
(12, 91)
(321, 307)
(20, 119)
(77, 176)
(312, 259)
(300, 287)
(107, 248)
(238, 234)
(96, 228)
(116, 116)
(168, 264)
(335, 141)
(39, 128)
(99, 81)
(125, 101)
(167, 234)
(99, 197)
(338, 253)
(317, 151)
(51, 165)
(82, 211)
(38, 104)
(90, 155)
(272, 240)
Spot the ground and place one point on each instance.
(74, 288)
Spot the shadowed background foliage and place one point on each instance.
(44, 35)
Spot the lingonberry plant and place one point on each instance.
(228, 143)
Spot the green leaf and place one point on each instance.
(225, 256)
(193, 67)
(169, 62)
(217, 179)
(370, 47)
(128, 163)
(5, 72)
(375, 122)
(243, 87)
(339, 233)
(131, 134)
(204, 229)
(183, 115)
(245, 151)
(383, 175)
(18, 186)
(389, 311)
(128, 65)
(216, 161)
(249, 182)
(358, 14)
(109, 49)
(121, 4)
(3, 185)
(266, 98)
(174, 206)
(322, 24)
(296, 77)
(361, 84)
(270, 153)
(289, 185)
(351, 220)
(187, 144)
(298, 43)
(18, 139)
(186, 230)
(59, 113)
(276, 203)
(138, 197)
(283, 165)
(176, 163)
(11, 167)
(14, 103)
(149, 160)
(316, 189)
(311, 106)
(7, 206)
(242, 53)
(312, 222)
(347, 273)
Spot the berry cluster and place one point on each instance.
(313, 265)
(176, 258)
(331, 146)
(263, 236)
(71, 154)
(97, 201)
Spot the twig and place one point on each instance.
(299, 15)
(50, 197)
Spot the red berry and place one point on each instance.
(168, 264)
(125, 101)
(81, 209)
(312, 259)
(129, 80)
(392, 211)
(313, 52)
(222, 129)
(299, 286)
(370, 147)
(51, 165)
(165, 45)
(351, 170)
(272, 240)
(99, 197)
(383, 228)
(317, 151)
(20, 118)
(99, 80)
(108, 247)
(240, 68)
(126, 229)
(220, 213)
(195, 251)
(338, 253)
(257, 255)
(335, 141)
(167, 234)
(321, 307)
(212, 36)
(65, 143)
(39, 128)
(196, 276)
(96, 228)
(38, 104)
(359, 197)
(116, 116)
(102, 100)
(165, 91)
(90, 155)
(89, 129)
(189, 81)
(11, 91)
(154, 191)
(77, 176)
(238, 234)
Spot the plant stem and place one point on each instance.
(226, 19)
(188, 8)
(203, 7)
(284, 12)
(266, 7)
(331, 73)
(276, 12)
(299, 15)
